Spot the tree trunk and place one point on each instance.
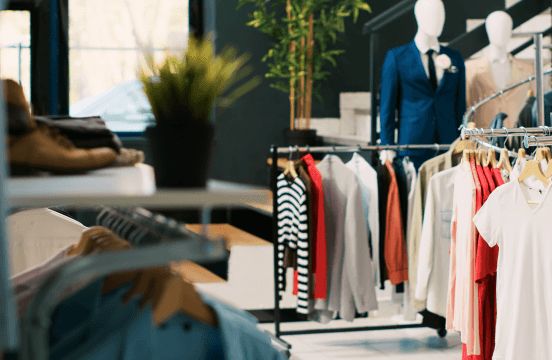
(308, 95)
(291, 81)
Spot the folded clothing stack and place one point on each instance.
(85, 133)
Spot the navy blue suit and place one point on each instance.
(424, 116)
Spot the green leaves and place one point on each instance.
(329, 21)
(187, 88)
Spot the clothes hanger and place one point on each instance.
(491, 159)
(533, 168)
(169, 294)
(100, 239)
(291, 165)
(504, 161)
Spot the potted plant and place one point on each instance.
(303, 45)
(183, 93)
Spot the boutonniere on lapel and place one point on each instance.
(444, 62)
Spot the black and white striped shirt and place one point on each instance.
(293, 233)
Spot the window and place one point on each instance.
(15, 54)
(106, 42)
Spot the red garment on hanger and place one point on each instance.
(395, 244)
(320, 261)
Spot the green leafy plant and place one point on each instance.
(188, 87)
(303, 44)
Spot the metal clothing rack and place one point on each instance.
(274, 174)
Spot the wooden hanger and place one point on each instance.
(533, 168)
(169, 293)
(547, 154)
(521, 154)
(291, 166)
(466, 156)
(504, 161)
(491, 159)
(100, 239)
(539, 155)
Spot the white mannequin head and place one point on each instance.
(430, 16)
(499, 28)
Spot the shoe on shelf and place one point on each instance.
(40, 147)
(45, 149)
(20, 120)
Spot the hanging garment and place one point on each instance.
(434, 257)
(498, 123)
(36, 235)
(383, 192)
(350, 276)
(409, 309)
(395, 244)
(547, 110)
(318, 223)
(524, 269)
(426, 171)
(301, 171)
(485, 276)
(480, 83)
(94, 326)
(293, 234)
(368, 180)
(459, 308)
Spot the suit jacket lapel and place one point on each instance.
(420, 65)
(445, 74)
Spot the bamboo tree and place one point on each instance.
(303, 45)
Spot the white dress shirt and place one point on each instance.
(423, 48)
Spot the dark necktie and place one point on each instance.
(431, 68)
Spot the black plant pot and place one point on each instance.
(301, 137)
(182, 153)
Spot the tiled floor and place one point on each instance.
(404, 344)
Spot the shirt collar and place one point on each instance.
(424, 47)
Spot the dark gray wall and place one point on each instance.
(259, 119)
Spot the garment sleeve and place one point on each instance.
(357, 264)
(486, 221)
(373, 220)
(451, 292)
(389, 93)
(414, 234)
(425, 252)
(461, 92)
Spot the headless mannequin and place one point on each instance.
(499, 30)
(430, 17)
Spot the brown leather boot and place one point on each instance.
(39, 147)
(45, 149)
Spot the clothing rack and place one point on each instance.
(504, 132)
(274, 174)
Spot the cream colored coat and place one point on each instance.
(480, 83)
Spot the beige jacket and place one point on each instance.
(480, 84)
(427, 170)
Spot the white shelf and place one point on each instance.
(129, 181)
(217, 194)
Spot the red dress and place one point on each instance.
(320, 261)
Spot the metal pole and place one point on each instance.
(9, 324)
(274, 187)
(373, 91)
(19, 65)
(539, 79)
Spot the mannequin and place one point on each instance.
(426, 114)
(499, 30)
(496, 70)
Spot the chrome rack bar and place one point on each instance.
(495, 148)
(531, 140)
(492, 133)
(343, 149)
